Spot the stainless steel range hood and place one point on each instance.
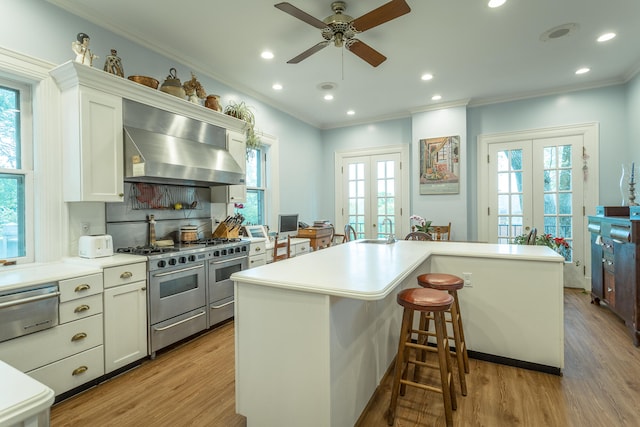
(166, 148)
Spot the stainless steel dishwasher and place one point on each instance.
(29, 309)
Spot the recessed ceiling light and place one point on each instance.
(583, 70)
(267, 54)
(427, 76)
(276, 86)
(606, 37)
(351, 112)
(496, 3)
(436, 97)
(328, 97)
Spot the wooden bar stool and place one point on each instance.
(451, 284)
(425, 301)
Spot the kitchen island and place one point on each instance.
(316, 334)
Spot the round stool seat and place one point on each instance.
(424, 299)
(440, 281)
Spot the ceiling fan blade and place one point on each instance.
(366, 52)
(307, 53)
(384, 13)
(300, 14)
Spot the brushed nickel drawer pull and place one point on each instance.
(81, 308)
(83, 287)
(126, 275)
(79, 336)
(80, 370)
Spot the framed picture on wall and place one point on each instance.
(440, 165)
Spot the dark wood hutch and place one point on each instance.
(615, 237)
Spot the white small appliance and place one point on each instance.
(95, 246)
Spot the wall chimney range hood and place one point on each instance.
(166, 148)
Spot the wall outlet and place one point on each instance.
(467, 280)
(84, 228)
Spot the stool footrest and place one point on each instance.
(422, 386)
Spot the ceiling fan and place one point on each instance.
(341, 29)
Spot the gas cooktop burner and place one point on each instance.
(145, 250)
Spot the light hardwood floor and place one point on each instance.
(193, 385)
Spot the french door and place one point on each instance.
(370, 196)
(538, 182)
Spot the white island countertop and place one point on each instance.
(354, 269)
(315, 334)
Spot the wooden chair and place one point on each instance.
(281, 244)
(441, 232)
(349, 233)
(418, 235)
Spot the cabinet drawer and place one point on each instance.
(71, 372)
(35, 350)
(80, 287)
(302, 248)
(123, 274)
(257, 248)
(257, 260)
(80, 308)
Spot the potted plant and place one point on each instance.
(421, 224)
(242, 111)
(558, 244)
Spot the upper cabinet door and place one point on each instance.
(93, 141)
(236, 145)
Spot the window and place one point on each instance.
(254, 208)
(14, 169)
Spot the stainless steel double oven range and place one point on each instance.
(189, 287)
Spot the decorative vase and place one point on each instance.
(213, 102)
(172, 85)
(194, 98)
(113, 64)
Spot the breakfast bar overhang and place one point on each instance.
(316, 334)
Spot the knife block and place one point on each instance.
(224, 232)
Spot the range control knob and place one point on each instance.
(172, 261)
(162, 263)
(182, 259)
(192, 258)
(216, 253)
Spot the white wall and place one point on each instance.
(442, 208)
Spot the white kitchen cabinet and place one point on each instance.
(125, 315)
(257, 252)
(70, 354)
(237, 147)
(93, 146)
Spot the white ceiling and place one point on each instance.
(476, 54)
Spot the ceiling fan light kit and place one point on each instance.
(341, 29)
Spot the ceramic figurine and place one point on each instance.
(81, 48)
(113, 64)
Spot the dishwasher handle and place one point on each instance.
(27, 300)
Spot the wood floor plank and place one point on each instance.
(193, 385)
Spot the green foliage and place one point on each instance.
(242, 111)
(421, 224)
(558, 244)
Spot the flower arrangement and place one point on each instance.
(420, 224)
(194, 88)
(558, 244)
